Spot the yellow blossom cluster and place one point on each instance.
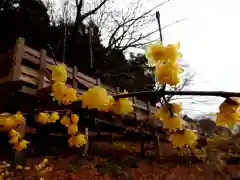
(164, 58)
(10, 121)
(229, 113)
(187, 138)
(171, 120)
(45, 117)
(4, 170)
(179, 136)
(122, 106)
(95, 98)
(168, 69)
(76, 139)
(42, 167)
(60, 91)
(98, 98)
(15, 138)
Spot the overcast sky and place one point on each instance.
(209, 41)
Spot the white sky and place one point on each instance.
(209, 42)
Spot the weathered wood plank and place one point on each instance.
(17, 58)
(40, 81)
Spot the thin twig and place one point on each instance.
(54, 58)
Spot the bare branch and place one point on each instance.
(131, 29)
(84, 16)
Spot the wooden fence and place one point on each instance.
(32, 67)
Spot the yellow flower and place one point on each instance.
(45, 161)
(58, 91)
(13, 132)
(19, 167)
(71, 140)
(158, 52)
(95, 98)
(154, 53)
(186, 138)
(122, 106)
(74, 118)
(173, 123)
(53, 117)
(10, 122)
(226, 119)
(59, 73)
(168, 73)
(43, 118)
(19, 118)
(3, 118)
(13, 140)
(79, 140)
(65, 121)
(171, 51)
(176, 108)
(229, 114)
(21, 145)
(70, 96)
(162, 113)
(72, 129)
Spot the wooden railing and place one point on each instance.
(32, 67)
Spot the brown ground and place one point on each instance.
(105, 162)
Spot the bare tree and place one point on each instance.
(120, 28)
(129, 28)
(81, 15)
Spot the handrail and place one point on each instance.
(36, 76)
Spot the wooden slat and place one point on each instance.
(84, 82)
(83, 76)
(32, 51)
(29, 71)
(32, 73)
(28, 79)
(31, 58)
(140, 105)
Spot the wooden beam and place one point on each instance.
(17, 58)
(40, 81)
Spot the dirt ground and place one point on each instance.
(105, 162)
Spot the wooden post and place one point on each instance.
(74, 75)
(17, 58)
(98, 83)
(86, 147)
(87, 144)
(156, 135)
(40, 83)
